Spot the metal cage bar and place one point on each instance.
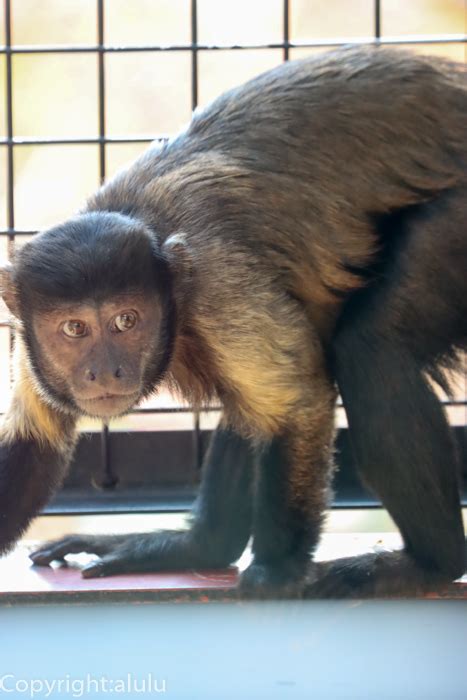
(109, 480)
(286, 29)
(377, 13)
(410, 40)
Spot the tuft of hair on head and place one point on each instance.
(94, 256)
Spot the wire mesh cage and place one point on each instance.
(165, 439)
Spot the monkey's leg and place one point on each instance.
(400, 435)
(292, 494)
(218, 535)
(36, 446)
(405, 455)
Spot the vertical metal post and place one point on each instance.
(286, 28)
(101, 88)
(194, 54)
(109, 479)
(465, 32)
(197, 447)
(465, 392)
(10, 155)
(377, 20)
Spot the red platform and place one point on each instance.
(21, 582)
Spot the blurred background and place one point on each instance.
(50, 154)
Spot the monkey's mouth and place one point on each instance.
(108, 405)
(109, 397)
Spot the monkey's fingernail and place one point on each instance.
(93, 570)
(40, 557)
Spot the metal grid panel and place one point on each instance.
(101, 50)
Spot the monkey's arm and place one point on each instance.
(217, 537)
(292, 493)
(36, 446)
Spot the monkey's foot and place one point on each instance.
(383, 574)
(267, 581)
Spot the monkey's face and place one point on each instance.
(93, 300)
(97, 357)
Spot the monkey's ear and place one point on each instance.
(178, 254)
(8, 289)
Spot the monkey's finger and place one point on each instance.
(106, 566)
(57, 551)
(44, 557)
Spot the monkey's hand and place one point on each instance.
(170, 550)
(137, 552)
(219, 532)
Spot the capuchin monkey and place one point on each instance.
(306, 232)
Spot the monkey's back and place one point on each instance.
(373, 128)
(294, 165)
(385, 120)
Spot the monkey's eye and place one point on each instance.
(124, 322)
(75, 329)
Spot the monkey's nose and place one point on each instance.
(91, 375)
